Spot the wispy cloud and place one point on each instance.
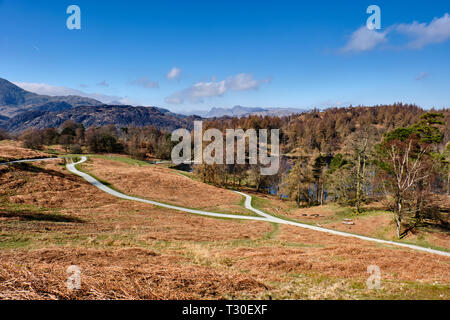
(50, 90)
(419, 34)
(103, 84)
(200, 90)
(364, 39)
(174, 99)
(422, 34)
(145, 83)
(330, 104)
(174, 74)
(422, 76)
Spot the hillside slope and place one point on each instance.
(51, 219)
(14, 100)
(120, 116)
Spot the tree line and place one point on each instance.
(397, 153)
(139, 143)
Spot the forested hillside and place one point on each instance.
(398, 154)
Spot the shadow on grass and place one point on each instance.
(35, 169)
(29, 167)
(441, 226)
(26, 215)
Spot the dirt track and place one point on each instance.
(203, 254)
(248, 205)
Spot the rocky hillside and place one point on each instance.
(120, 116)
(21, 109)
(15, 100)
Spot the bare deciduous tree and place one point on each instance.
(408, 170)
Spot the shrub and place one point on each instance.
(75, 149)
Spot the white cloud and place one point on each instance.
(125, 101)
(422, 76)
(103, 84)
(174, 74)
(330, 104)
(145, 83)
(46, 89)
(49, 90)
(200, 90)
(243, 81)
(422, 34)
(364, 39)
(174, 100)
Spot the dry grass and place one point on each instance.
(51, 219)
(162, 184)
(374, 221)
(108, 238)
(341, 257)
(12, 150)
(50, 186)
(131, 273)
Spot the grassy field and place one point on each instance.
(164, 185)
(51, 219)
(374, 221)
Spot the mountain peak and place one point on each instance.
(241, 111)
(14, 100)
(12, 95)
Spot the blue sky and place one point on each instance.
(194, 55)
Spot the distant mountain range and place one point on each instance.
(21, 109)
(120, 116)
(15, 100)
(240, 111)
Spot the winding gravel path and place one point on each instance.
(72, 168)
(248, 205)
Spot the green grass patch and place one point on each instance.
(273, 233)
(10, 241)
(118, 158)
(81, 168)
(123, 159)
(423, 243)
